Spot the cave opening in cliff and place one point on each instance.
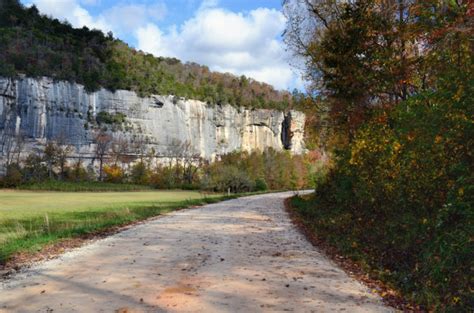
(286, 132)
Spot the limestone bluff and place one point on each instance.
(42, 109)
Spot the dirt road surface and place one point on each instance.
(242, 255)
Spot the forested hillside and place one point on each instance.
(395, 86)
(37, 45)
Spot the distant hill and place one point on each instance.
(37, 45)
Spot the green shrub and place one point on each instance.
(110, 118)
(140, 174)
(13, 176)
(260, 184)
(34, 169)
(231, 178)
(163, 178)
(77, 173)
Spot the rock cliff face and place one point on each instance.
(42, 109)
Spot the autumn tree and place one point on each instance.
(358, 55)
(191, 160)
(121, 151)
(102, 148)
(12, 143)
(64, 150)
(50, 157)
(396, 79)
(78, 173)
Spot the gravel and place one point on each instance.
(242, 255)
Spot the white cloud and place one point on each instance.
(152, 40)
(90, 2)
(127, 17)
(71, 11)
(120, 18)
(240, 43)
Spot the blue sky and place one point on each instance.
(236, 36)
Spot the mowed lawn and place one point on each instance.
(30, 219)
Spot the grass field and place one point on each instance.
(29, 219)
(56, 185)
(27, 204)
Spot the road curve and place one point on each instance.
(242, 255)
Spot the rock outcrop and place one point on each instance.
(42, 109)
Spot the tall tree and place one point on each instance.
(103, 142)
(357, 54)
(64, 152)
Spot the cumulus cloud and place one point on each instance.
(119, 18)
(151, 39)
(126, 17)
(71, 11)
(240, 43)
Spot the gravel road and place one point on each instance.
(242, 255)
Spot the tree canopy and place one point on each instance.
(360, 55)
(394, 86)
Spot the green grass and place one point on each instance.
(29, 220)
(55, 185)
(27, 204)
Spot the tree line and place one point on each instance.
(392, 87)
(118, 160)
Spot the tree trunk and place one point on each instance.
(101, 161)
